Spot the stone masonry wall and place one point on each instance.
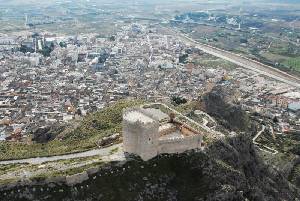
(179, 145)
(148, 141)
(140, 138)
(143, 139)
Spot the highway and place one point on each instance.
(245, 62)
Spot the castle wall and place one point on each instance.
(141, 136)
(130, 136)
(179, 145)
(148, 141)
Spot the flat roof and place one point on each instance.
(295, 106)
(135, 116)
(157, 114)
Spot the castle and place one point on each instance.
(148, 132)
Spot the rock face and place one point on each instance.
(256, 180)
(47, 133)
(77, 178)
(227, 170)
(221, 103)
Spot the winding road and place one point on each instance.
(259, 133)
(266, 148)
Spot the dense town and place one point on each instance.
(47, 79)
(84, 73)
(173, 100)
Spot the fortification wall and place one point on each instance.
(179, 145)
(148, 141)
(140, 137)
(130, 138)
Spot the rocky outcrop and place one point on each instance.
(46, 133)
(77, 178)
(109, 140)
(257, 180)
(221, 103)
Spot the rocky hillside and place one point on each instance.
(222, 103)
(229, 170)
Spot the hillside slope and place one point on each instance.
(229, 170)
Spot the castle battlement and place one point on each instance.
(143, 134)
(182, 139)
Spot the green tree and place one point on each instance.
(176, 100)
(62, 44)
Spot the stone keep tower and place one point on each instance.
(140, 133)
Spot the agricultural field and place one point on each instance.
(293, 63)
(254, 34)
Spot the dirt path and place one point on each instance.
(265, 148)
(38, 160)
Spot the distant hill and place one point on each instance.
(282, 1)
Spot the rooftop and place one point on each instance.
(135, 116)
